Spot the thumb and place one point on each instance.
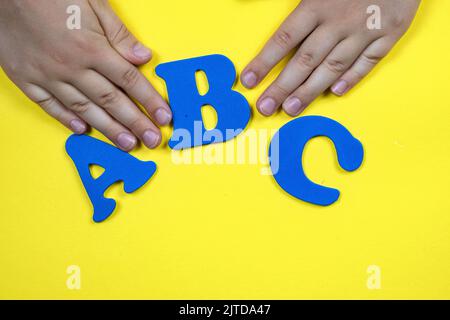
(118, 35)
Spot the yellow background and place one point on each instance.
(213, 232)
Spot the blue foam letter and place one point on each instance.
(286, 150)
(118, 165)
(233, 110)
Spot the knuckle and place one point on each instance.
(46, 103)
(120, 34)
(13, 75)
(57, 72)
(109, 99)
(279, 90)
(79, 107)
(305, 93)
(130, 77)
(283, 39)
(397, 21)
(86, 45)
(355, 75)
(59, 57)
(335, 66)
(305, 59)
(111, 129)
(260, 64)
(139, 123)
(14, 70)
(371, 59)
(54, 111)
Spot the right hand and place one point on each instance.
(82, 77)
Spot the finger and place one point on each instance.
(55, 109)
(106, 95)
(334, 65)
(118, 35)
(310, 54)
(94, 115)
(298, 25)
(132, 81)
(363, 65)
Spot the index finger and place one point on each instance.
(297, 26)
(132, 81)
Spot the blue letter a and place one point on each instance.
(118, 165)
(233, 110)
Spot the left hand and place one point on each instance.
(337, 49)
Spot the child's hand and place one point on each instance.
(85, 76)
(337, 49)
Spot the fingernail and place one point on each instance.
(340, 87)
(249, 79)
(141, 51)
(77, 126)
(151, 139)
(126, 141)
(267, 106)
(163, 116)
(292, 106)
